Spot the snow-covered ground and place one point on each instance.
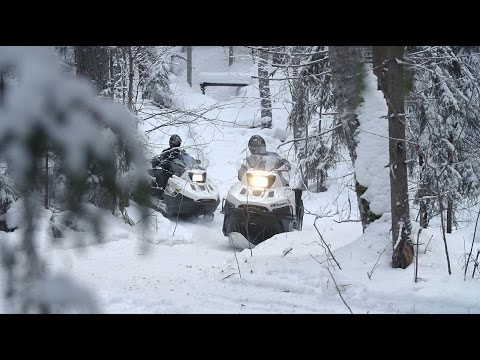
(164, 267)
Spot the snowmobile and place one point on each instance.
(189, 193)
(260, 206)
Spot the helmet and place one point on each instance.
(175, 141)
(256, 144)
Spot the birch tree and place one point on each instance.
(264, 87)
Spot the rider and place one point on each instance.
(260, 158)
(164, 161)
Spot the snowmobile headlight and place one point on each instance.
(198, 177)
(260, 181)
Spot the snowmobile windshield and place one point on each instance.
(183, 162)
(266, 162)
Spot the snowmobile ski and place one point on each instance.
(238, 241)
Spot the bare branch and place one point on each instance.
(326, 246)
(471, 247)
(431, 237)
(416, 255)
(311, 137)
(476, 263)
(375, 266)
(343, 221)
(335, 283)
(238, 265)
(286, 53)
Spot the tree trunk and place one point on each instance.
(449, 216)
(423, 188)
(379, 55)
(278, 58)
(46, 178)
(124, 195)
(346, 64)
(111, 61)
(93, 62)
(114, 192)
(117, 71)
(305, 174)
(2, 86)
(264, 87)
(230, 56)
(189, 65)
(124, 77)
(130, 79)
(322, 173)
(392, 84)
(421, 193)
(347, 82)
(450, 201)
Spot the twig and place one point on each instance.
(471, 247)
(416, 255)
(336, 286)
(310, 137)
(442, 222)
(388, 137)
(325, 244)
(342, 221)
(340, 177)
(286, 53)
(226, 277)
(143, 218)
(285, 252)
(431, 237)
(476, 263)
(238, 265)
(292, 78)
(369, 274)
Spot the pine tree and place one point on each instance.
(442, 112)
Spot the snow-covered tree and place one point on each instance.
(154, 67)
(347, 80)
(442, 111)
(50, 108)
(308, 72)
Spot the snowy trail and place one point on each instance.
(193, 272)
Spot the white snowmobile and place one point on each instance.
(188, 192)
(259, 206)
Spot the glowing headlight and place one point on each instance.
(258, 181)
(197, 177)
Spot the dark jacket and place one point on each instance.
(166, 157)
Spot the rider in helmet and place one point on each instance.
(169, 153)
(164, 160)
(257, 145)
(260, 158)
